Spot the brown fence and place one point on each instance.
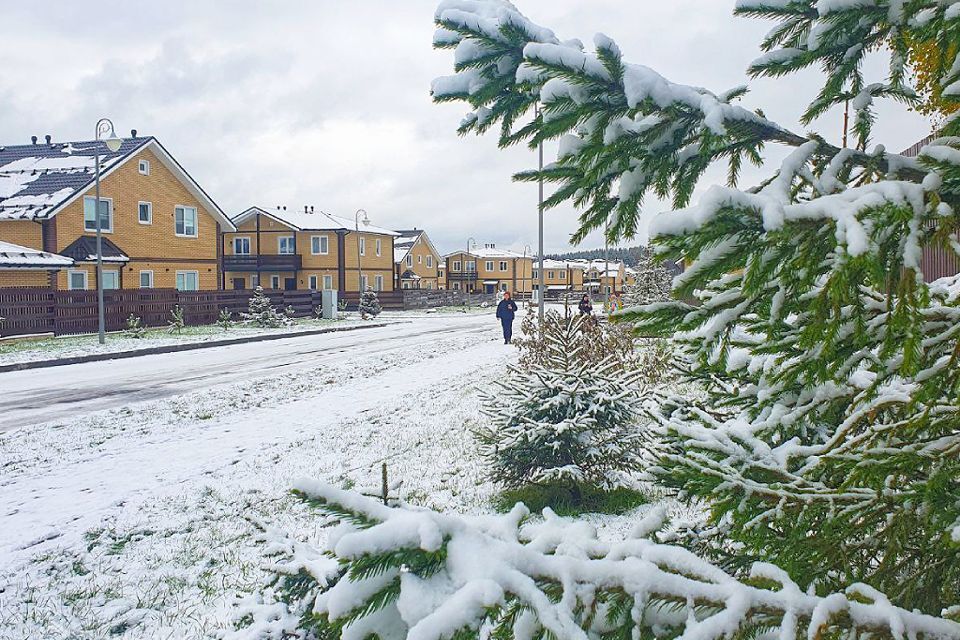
(28, 311)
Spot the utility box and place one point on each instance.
(328, 304)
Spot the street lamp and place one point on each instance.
(105, 132)
(541, 278)
(526, 250)
(466, 283)
(366, 222)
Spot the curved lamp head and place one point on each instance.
(106, 133)
(362, 217)
(113, 143)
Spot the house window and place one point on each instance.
(146, 279)
(274, 282)
(111, 280)
(106, 214)
(406, 285)
(254, 281)
(503, 265)
(536, 274)
(503, 286)
(563, 275)
(419, 259)
(456, 265)
(456, 286)
(327, 283)
(145, 213)
(144, 167)
(185, 219)
(378, 283)
(319, 245)
(363, 283)
(409, 261)
(76, 280)
(286, 246)
(488, 265)
(363, 246)
(472, 266)
(188, 281)
(429, 262)
(551, 275)
(241, 246)
(313, 283)
(379, 245)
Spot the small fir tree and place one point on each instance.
(176, 322)
(225, 319)
(369, 304)
(134, 328)
(653, 282)
(567, 421)
(261, 312)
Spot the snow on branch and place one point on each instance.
(428, 576)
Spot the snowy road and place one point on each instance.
(122, 501)
(45, 395)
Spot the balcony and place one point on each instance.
(291, 262)
(462, 276)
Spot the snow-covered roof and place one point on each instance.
(13, 256)
(84, 249)
(490, 251)
(406, 240)
(310, 221)
(552, 264)
(38, 180)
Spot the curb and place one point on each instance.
(174, 348)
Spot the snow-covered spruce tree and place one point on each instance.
(830, 441)
(134, 328)
(566, 422)
(592, 343)
(653, 282)
(394, 573)
(261, 312)
(176, 323)
(369, 304)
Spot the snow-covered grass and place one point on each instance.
(136, 523)
(14, 351)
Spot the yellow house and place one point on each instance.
(26, 267)
(309, 250)
(442, 274)
(558, 276)
(417, 261)
(602, 276)
(159, 228)
(488, 270)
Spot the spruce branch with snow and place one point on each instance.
(566, 422)
(176, 323)
(134, 328)
(397, 572)
(830, 440)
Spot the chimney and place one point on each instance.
(48, 138)
(33, 139)
(306, 209)
(311, 208)
(133, 133)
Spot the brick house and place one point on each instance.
(160, 228)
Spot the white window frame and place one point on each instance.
(237, 239)
(254, 281)
(551, 275)
(275, 282)
(149, 219)
(109, 201)
(471, 266)
(363, 245)
(456, 286)
(320, 245)
(196, 221)
(536, 274)
(378, 283)
(184, 274)
(429, 262)
(419, 259)
(364, 282)
(503, 286)
(116, 274)
(147, 272)
(327, 283)
(503, 265)
(292, 242)
(409, 260)
(313, 281)
(488, 265)
(78, 272)
(563, 275)
(144, 167)
(456, 265)
(378, 244)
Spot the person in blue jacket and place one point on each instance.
(506, 311)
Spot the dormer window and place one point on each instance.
(144, 167)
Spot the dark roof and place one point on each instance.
(84, 249)
(409, 275)
(36, 178)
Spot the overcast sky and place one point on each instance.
(326, 102)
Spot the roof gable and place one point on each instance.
(13, 256)
(309, 221)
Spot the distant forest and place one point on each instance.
(628, 255)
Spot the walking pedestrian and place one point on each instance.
(506, 311)
(586, 307)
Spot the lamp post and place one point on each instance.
(105, 132)
(542, 281)
(356, 221)
(526, 250)
(467, 255)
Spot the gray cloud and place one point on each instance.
(326, 102)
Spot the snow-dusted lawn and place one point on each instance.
(13, 351)
(134, 523)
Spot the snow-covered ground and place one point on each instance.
(133, 521)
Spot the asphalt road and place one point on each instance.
(46, 395)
